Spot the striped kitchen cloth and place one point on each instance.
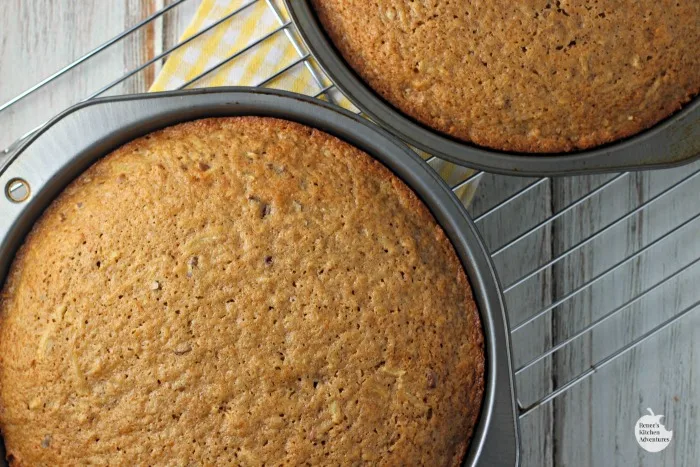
(208, 61)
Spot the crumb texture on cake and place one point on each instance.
(528, 76)
(241, 291)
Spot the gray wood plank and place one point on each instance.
(594, 422)
(39, 37)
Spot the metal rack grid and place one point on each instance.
(536, 233)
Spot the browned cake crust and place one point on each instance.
(238, 290)
(529, 76)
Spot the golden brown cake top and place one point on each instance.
(525, 75)
(239, 290)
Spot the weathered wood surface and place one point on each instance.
(591, 424)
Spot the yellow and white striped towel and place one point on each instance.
(210, 54)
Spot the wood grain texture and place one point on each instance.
(591, 424)
(39, 37)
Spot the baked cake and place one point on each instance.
(529, 76)
(238, 290)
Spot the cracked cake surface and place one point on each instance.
(242, 291)
(529, 75)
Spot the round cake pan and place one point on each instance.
(672, 142)
(78, 137)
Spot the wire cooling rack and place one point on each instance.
(537, 231)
